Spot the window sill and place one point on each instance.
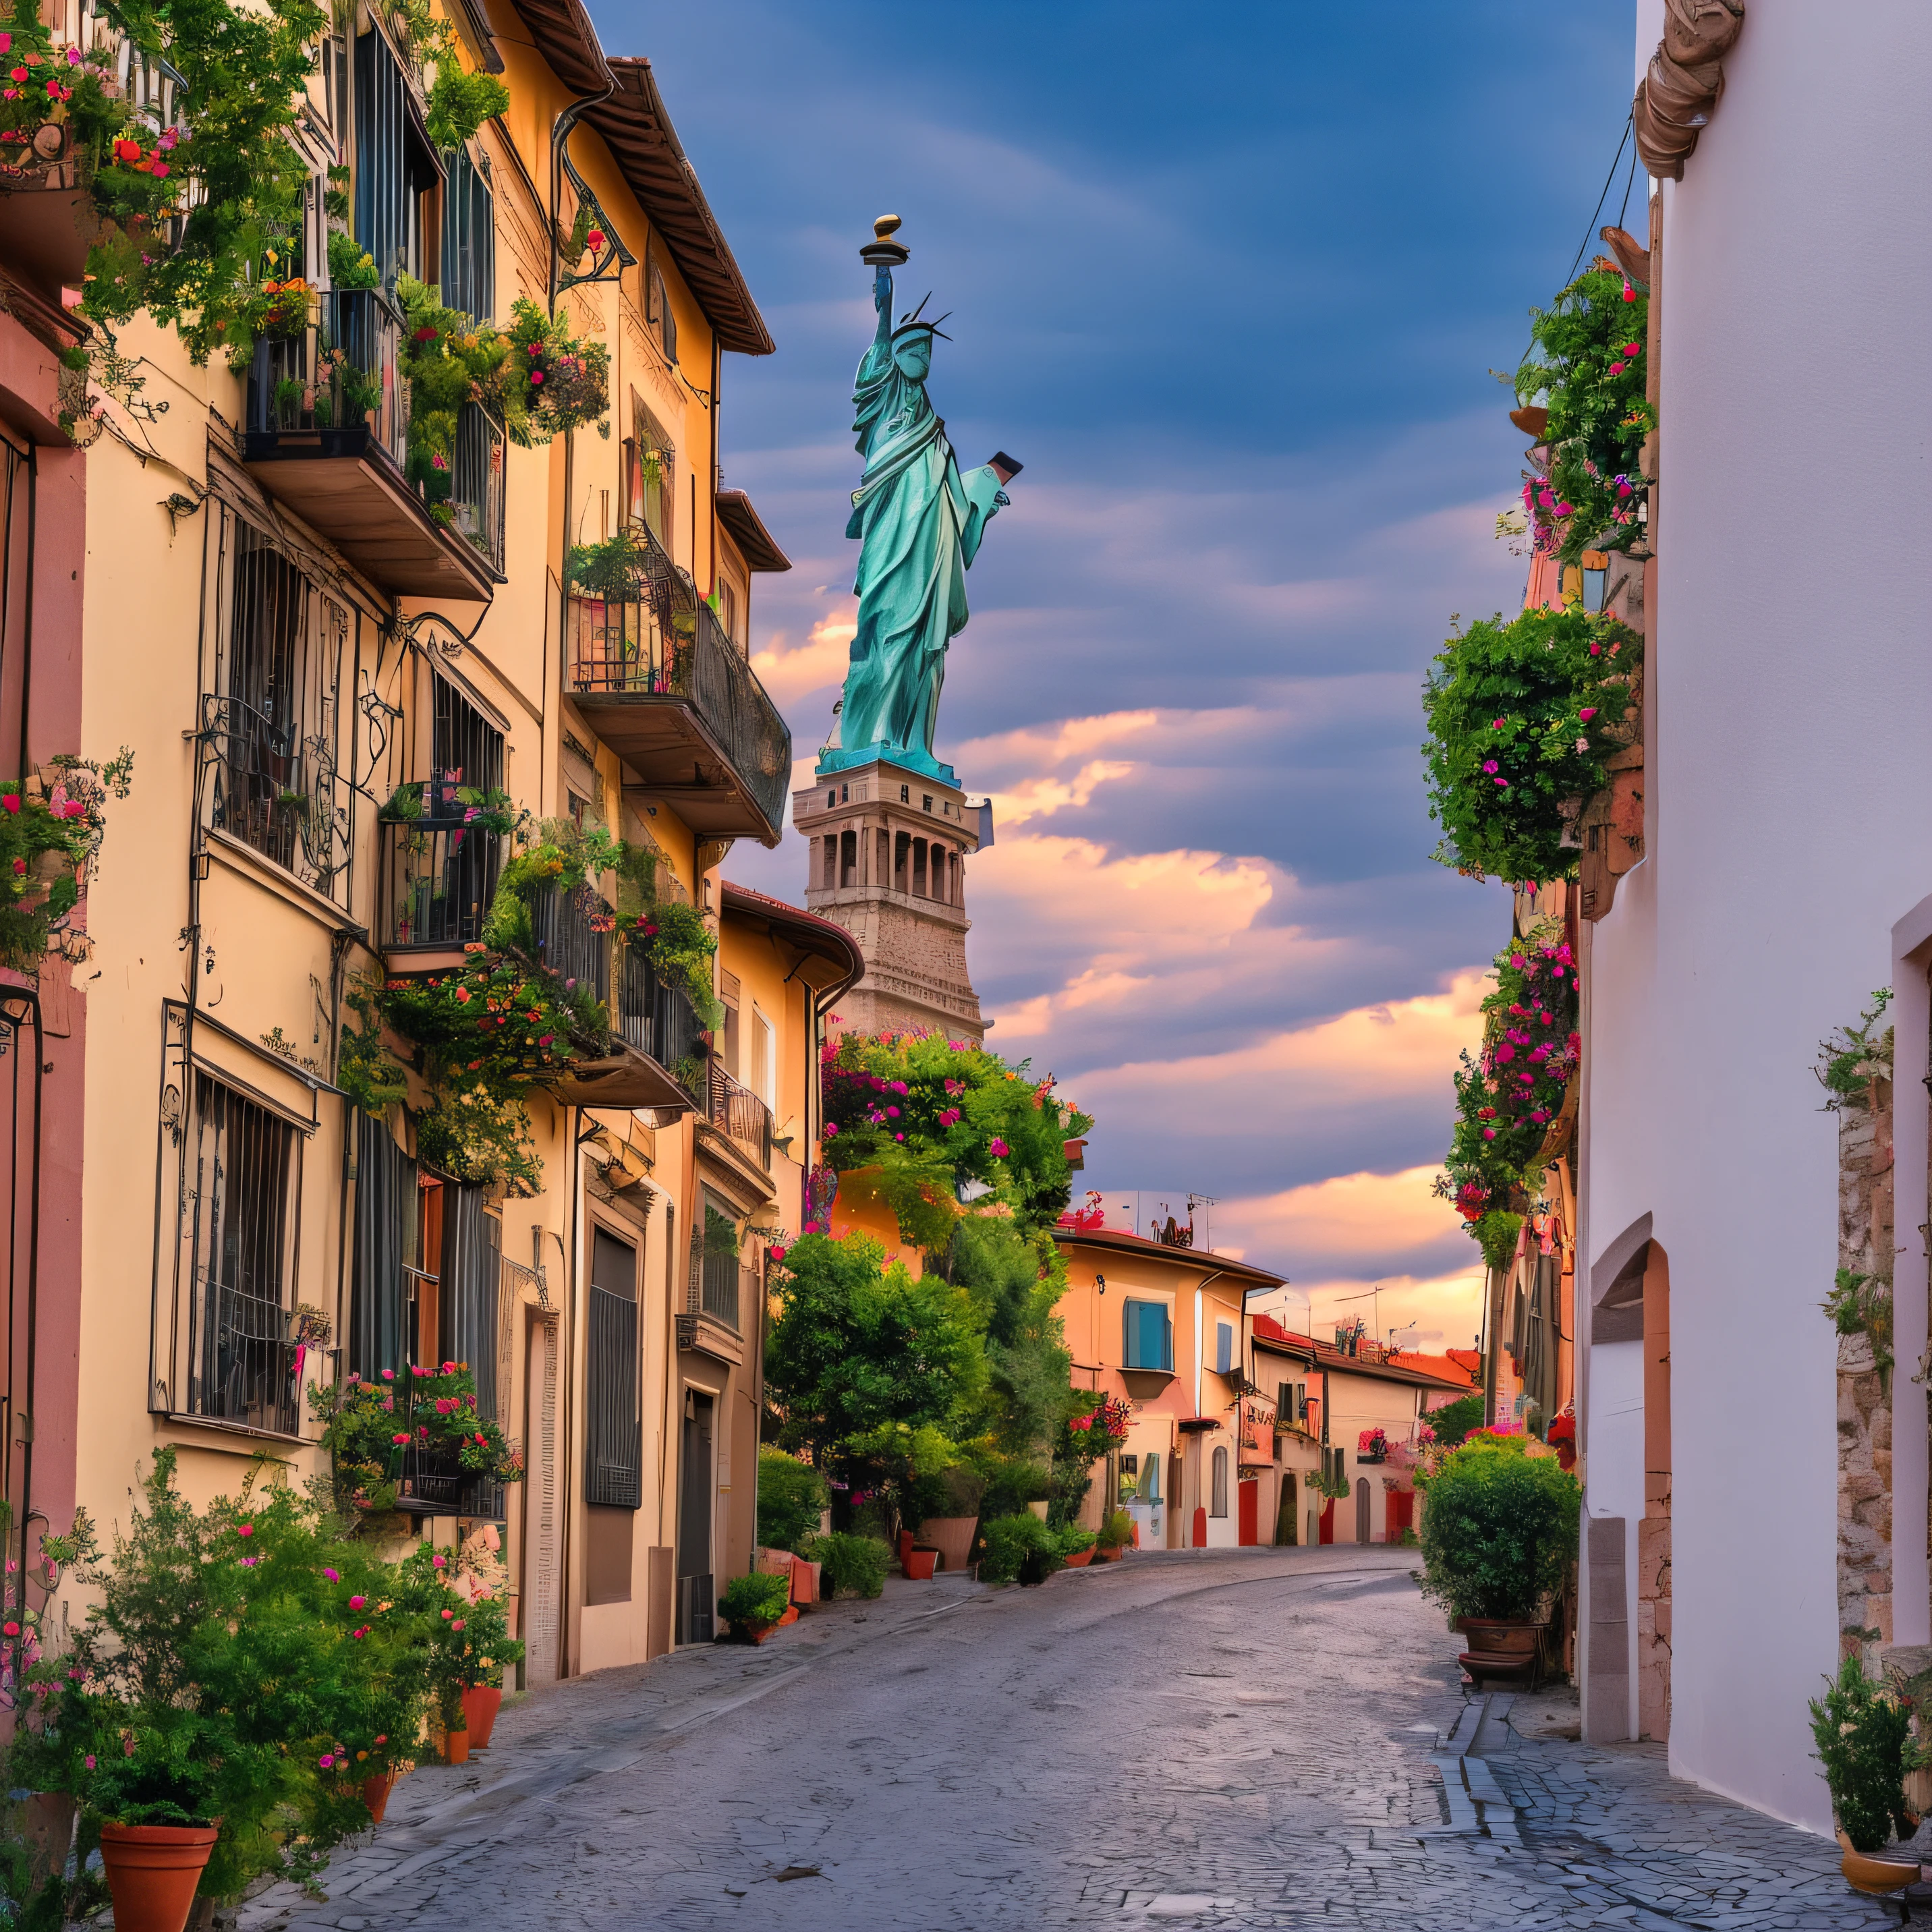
(239, 855)
(220, 1426)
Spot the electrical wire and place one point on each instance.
(1616, 161)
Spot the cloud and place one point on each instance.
(1382, 1223)
(1430, 1313)
(792, 673)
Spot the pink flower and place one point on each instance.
(1630, 294)
(244, 1529)
(357, 1603)
(1616, 368)
(90, 1760)
(388, 1375)
(333, 1575)
(440, 1562)
(402, 1437)
(1488, 1133)
(893, 1112)
(999, 1149)
(249, 1562)
(1490, 765)
(776, 1254)
(1587, 713)
(457, 1625)
(327, 1761)
(447, 1614)
(1499, 724)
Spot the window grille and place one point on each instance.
(471, 1277)
(613, 1433)
(270, 717)
(242, 1359)
(469, 264)
(395, 166)
(385, 1245)
(1149, 1335)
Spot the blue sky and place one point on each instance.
(1230, 281)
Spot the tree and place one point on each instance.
(1454, 1420)
(855, 1345)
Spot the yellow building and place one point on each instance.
(307, 655)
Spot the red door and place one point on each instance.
(1251, 1514)
(1327, 1521)
(1401, 1513)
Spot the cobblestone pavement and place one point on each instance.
(1250, 1738)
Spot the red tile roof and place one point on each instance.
(1201, 1258)
(1435, 1371)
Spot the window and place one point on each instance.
(1224, 1348)
(444, 875)
(718, 1274)
(241, 1357)
(831, 798)
(1150, 1479)
(613, 1435)
(1149, 1335)
(929, 803)
(273, 709)
(1284, 1402)
(905, 794)
(385, 1244)
(652, 496)
(471, 1271)
(469, 264)
(396, 169)
(1218, 1499)
(658, 309)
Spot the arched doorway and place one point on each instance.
(1362, 1509)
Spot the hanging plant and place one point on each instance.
(1586, 358)
(567, 380)
(680, 948)
(51, 828)
(1522, 716)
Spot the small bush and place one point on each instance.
(955, 1491)
(1018, 1549)
(1499, 1533)
(1011, 1482)
(854, 1566)
(792, 1496)
(754, 1602)
(1454, 1420)
(1117, 1531)
(1860, 1733)
(1073, 1539)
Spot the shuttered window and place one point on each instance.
(614, 1477)
(1224, 1348)
(469, 268)
(1149, 1335)
(386, 1242)
(395, 167)
(471, 1271)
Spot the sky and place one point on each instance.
(1231, 282)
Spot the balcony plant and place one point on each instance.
(1077, 1545)
(1522, 716)
(446, 799)
(51, 828)
(1861, 1732)
(369, 1428)
(1587, 359)
(751, 1606)
(1371, 1446)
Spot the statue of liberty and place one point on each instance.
(919, 521)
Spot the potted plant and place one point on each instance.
(1076, 1546)
(949, 1505)
(1497, 1538)
(1018, 1549)
(1371, 1446)
(1116, 1532)
(921, 1560)
(752, 1606)
(851, 1565)
(1861, 1731)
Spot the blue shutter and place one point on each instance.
(1163, 1332)
(1128, 1337)
(1224, 1348)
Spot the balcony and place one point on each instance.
(326, 431)
(710, 1324)
(656, 678)
(278, 790)
(656, 1032)
(739, 1113)
(438, 877)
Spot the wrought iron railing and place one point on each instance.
(660, 1021)
(476, 483)
(438, 878)
(573, 930)
(339, 372)
(717, 1288)
(651, 635)
(277, 789)
(244, 1361)
(741, 1114)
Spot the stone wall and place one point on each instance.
(1865, 1246)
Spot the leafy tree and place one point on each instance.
(1454, 1420)
(792, 1497)
(1499, 1532)
(1014, 1280)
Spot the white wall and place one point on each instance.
(1790, 787)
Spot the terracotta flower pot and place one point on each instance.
(481, 1703)
(1499, 1636)
(456, 1747)
(805, 1580)
(1863, 1872)
(1080, 1559)
(1109, 1552)
(152, 1871)
(951, 1536)
(919, 1564)
(789, 1617)
(906, 1540)
(376, 1793)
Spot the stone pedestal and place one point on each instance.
(889, 847)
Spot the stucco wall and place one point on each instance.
(1789, 787)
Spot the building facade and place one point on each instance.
(308, 650)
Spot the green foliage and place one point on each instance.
(351, 266)
(1019, 1549)
(613, 569)
(1016, 1280)
(1499, 1532)
(1854, 1059)
(1508, 1095)
(680, 948)
(1587, 358)
(1861, 1731)
(932, 1115)
(367, 1426)
(1454, 1420)
(792, 1497)
(855, 1345)
(566, 380)
(51, 829)
(1073, 1539)
(956, 1488)
(1521, 715)
(229, 164)
(1117, 1531)
(1011, 1482)
(460, 103)
(1861, 1304)
(850, 1566)
(755, 1602)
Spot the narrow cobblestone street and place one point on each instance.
(1242, 1738)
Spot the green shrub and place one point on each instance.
(1860, 1733)
(954, 1491)
(1117, 1531)
(755, 1602)
(1499, 1531)
(853, 1566)
(1012, 1482)
(792, 1496)
(1454, 1420)
(1018, 1549)
(1073, 1539)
